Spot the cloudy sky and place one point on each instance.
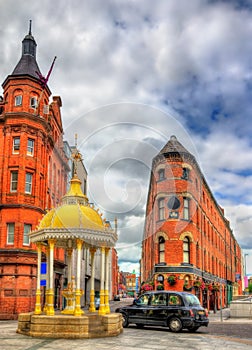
(133, 73)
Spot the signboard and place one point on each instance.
(43, 274)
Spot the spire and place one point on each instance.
(30, 27)
(29, 44)
(173, 145)
(28, 64)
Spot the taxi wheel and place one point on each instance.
(125, 322)
(174, 324)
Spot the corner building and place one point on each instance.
(33, 175)
(188, 243)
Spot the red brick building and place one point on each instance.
(33, 173)
(188, 243)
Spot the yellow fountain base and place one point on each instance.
(90, 325)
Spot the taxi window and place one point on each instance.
(174, 300)
(158, 299)
(143, 300)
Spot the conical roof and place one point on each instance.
(173, 146)
(28, 64)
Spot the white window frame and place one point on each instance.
(161, 209)
(34, 102)
(16, 145)
(10, 233)
(161, 249)
(186, 250)
(28, 183)
(161, 174)
(186, 208)
(18, 100)
(27, 230)
(14, 181)
(30, 148)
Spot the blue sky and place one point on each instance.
(131, 74)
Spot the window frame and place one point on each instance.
(186, 250)
(10, 234)
(28, 190)
(15, 146)
(30, 149)
(161, 174)
(161, 209)
(26, 234)
(186, 173)
(13, 181)
(186, 209)
(161, 249)
(18, 100)
(34, 102)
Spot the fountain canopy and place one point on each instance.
(75, 219)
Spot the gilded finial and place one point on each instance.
(76, 156)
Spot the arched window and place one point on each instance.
(185, 174)
(186, 250)
(161, 249)
(161, 174)
(161, 209)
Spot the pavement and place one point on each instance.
(222, 332)
(224, 316)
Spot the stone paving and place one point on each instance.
(223, 332)
(149, 338)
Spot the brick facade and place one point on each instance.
(33, 174)
(188, 243)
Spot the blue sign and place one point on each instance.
(43, 268)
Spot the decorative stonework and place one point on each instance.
(66, 326)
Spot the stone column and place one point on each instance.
(69, 292)
(102, 310)
(92, 289)
(78, 292)
(50, 296)
(69, 264)
(38, 293)
(107, 308)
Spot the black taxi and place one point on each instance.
(175, 310)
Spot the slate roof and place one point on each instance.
(173, 146)
(27, 66)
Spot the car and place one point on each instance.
(175, 310)
(97, 303)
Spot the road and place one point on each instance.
(148, 338)
(229, 334)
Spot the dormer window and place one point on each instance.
(34, 102)
(18, 100)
